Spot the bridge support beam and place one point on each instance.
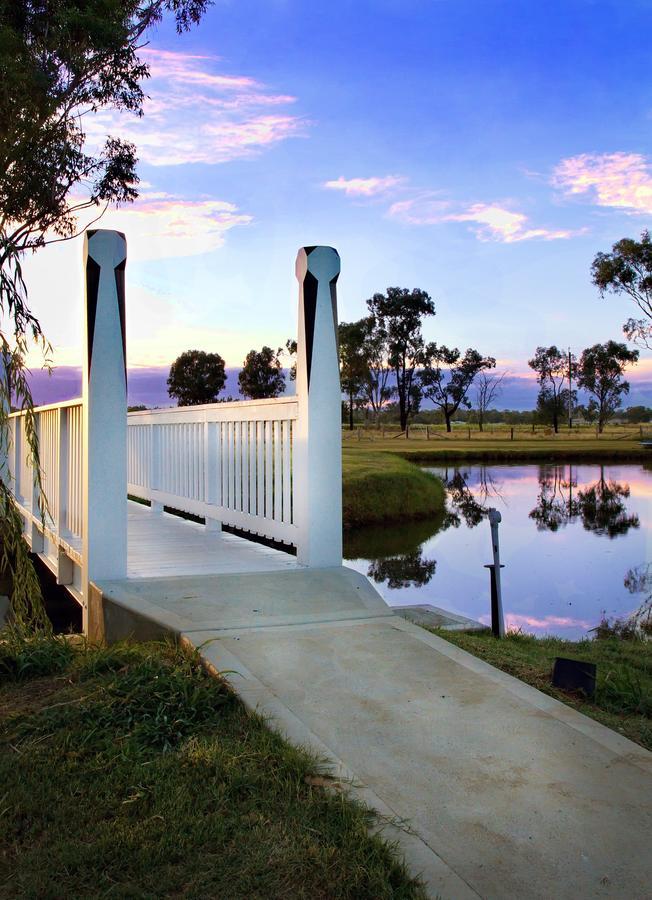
(105, 416)
(317, 441)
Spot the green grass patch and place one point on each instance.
(382, 487)
(623, 699)
(500, 450)
(132, 772)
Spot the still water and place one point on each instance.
(575, 541)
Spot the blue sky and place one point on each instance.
(481, 150)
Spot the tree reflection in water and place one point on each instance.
(396, 555)
(409, 570)
(639, 581)
(600, 507)
(465, 505)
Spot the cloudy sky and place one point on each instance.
(483, 150)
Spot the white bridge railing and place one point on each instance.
(56, 532)
(228, 462)
(269, 467)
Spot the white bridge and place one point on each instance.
(269, 469)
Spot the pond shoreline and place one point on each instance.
(382, 488)
(574, 539)
(527, 454)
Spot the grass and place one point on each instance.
(623, 699)
(382, 487)
(617, 444)
(131, 772)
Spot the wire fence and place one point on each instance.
(495, 432)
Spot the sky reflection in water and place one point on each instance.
(575, 540)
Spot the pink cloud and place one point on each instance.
(617, 180)
(159, 225)
(424, 209)
(364, 187)
(489, 221)
(514, 621)
(195, 114)
(191, 69)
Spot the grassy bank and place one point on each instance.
(130, 772)
(623, 699)
(382, 487)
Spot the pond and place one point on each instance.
(575, 541)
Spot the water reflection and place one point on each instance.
(569, 533)
(600, 506)
(409, 570)
(395, 555)
(463, 505)
(638, 580)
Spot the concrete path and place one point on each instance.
(504, 792)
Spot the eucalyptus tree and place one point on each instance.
(447, 376)
(552, 368)
(376, 389)
(353, 363)
(400, 312)
(196, 377)
(488, 388)
(60, 62)
(261, 376)
(628, 270)
(601, 373)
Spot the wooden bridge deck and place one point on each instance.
(162, 545)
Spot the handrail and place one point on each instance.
(62, 404)
(230, 463)
(271, 467)
(60, 428)
(231, 404)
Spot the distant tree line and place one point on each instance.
(197, 377)
(387, 366)
(389, 371)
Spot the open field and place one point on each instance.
(500, 442)
(132, 772)
(623, 699)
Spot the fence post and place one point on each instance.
(105, 416)
(317, 446)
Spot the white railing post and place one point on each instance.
(37, 542)
(6, 468)
(105, 413)
(155, 465)
(211, 472)
(64, 563)
(317, 452)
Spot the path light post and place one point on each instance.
(497, 619)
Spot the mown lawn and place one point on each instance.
(494, 448)
(382, 487)
(131, 772)
(623, 699)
